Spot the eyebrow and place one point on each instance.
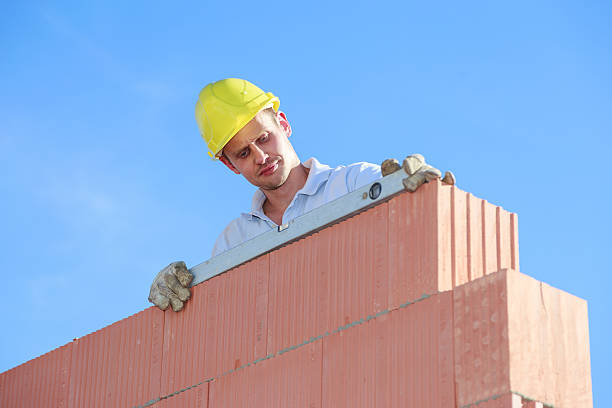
(263, 132)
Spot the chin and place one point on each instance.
(271, 186)
(274, 181)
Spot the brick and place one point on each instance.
(515, 334)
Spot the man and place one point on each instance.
(244, 128)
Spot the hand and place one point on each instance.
(171, 286)
(418, 172)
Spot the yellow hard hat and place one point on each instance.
(226, 106)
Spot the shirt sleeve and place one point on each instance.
(231, 236)
(360, 174)
(238, 231)
(221, 244)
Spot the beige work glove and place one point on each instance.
(418, 172)
(171, 286)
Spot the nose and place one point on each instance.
(259, 155)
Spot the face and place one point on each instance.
(261, 151)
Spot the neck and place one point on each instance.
(278, 200)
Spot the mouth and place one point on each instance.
(269, 169)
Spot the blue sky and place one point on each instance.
(104, 178)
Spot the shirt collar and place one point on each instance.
(318, 174)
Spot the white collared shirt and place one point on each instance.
(323, 185)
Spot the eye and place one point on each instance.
(243, 154)
(264, 138)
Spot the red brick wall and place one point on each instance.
(415, 302)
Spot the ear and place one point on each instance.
(228, 163)
(282, 119)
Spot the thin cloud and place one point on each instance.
(153, 89)
(63, 27)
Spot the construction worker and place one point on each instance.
(245, 130)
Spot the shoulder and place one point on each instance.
(363, 167)
(357, 174)
(359, 170)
